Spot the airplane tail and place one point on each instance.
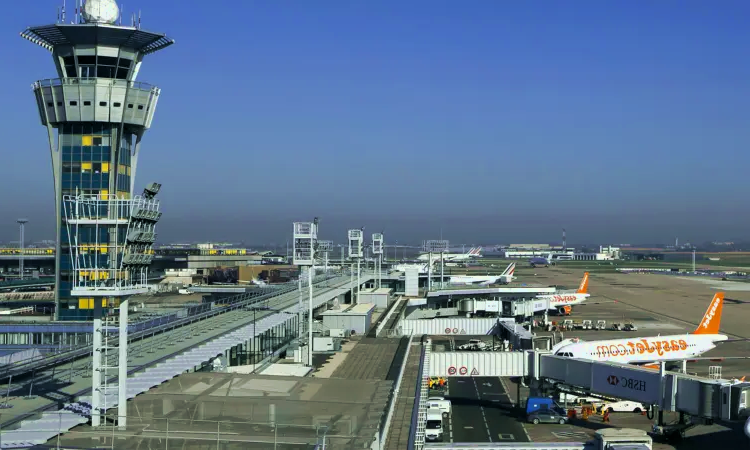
(471, 251)
(510, 269)
(712, 318)
(584, 287)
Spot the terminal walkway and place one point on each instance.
(400, 427)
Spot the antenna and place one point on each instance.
(565, 246)
(139, 19)
(122, 8)
(63, 13)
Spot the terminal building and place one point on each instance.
(527, 251)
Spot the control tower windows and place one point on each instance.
(87, 71)
(70, 66)
(90, 66)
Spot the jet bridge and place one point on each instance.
(671, 391)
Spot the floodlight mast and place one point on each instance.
(435, 246)
(377, 249)
(325, 247)
(355, 251)
(305, 243)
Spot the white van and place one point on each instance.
(439, 404)
(434, 428)
(622, 406)
(574, 400)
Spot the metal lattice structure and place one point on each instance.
(324, 248)
(356, 238)
(110, 243)
(377, 249)
(436, 246)
(305, 241)
(355, 243)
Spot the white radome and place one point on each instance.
(100, 11)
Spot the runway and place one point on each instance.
(481, 412)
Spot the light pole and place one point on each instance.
(21, 223)
(305, 246)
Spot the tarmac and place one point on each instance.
(658, 304)
(484, 407)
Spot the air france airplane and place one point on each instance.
(649, 350)
(486, 280)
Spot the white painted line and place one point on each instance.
(481, 408)
(450, 416)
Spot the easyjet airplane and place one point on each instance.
(562, 301)
(653, 349)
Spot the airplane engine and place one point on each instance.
(564, 310)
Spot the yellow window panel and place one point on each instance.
(87, 141)
(128, 170)
(122, 170)
(105, 167)
(104, 192)
(103, 250)
(83, 303)
(86, 166)
(104, 303)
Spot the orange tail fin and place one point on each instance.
(712, 318)
(584, 287)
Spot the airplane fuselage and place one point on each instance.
(559, 300)
(643, 350)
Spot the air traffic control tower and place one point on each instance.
(100, 113)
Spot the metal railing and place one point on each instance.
(394, 397)
(157, 432)
(421, 400)
(112, 82)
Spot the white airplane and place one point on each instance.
(471, 254)
(485, 280)
(403, 267)
(563, 300)
(649, 350)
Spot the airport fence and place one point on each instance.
(165, 433)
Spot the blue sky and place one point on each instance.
(496, 121)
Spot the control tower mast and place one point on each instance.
(96, 114)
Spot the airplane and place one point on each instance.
(403, 267)
(563, 300)
(471, 254)
(485, 280)
(540, 261)
(647, 351)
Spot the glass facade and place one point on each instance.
(92, 164)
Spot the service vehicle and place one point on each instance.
(434, 427)
(437, 403)
(622, 406)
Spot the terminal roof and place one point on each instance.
(51, 36)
